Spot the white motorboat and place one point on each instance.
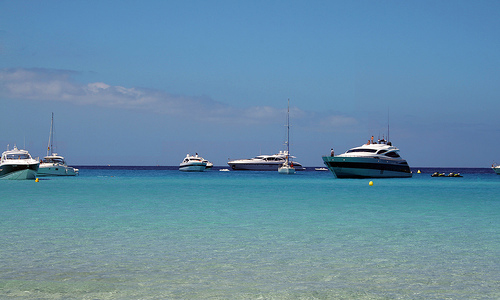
(193, 164)
(264, 162)
(496, 168)
(209, 165)
(287, 167)
(372, 160)
(53, 164)
(18, 164)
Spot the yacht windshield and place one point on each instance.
(392, 154)
(18, 156)
(53, 160)
(362, 150)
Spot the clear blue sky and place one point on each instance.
(145, 82)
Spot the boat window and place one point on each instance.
(18, 156)
(362, 150)
(392, 154)
(381, 151)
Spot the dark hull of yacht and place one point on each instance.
(364, 167)
(18, 172)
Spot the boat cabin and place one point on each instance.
(53, 160)
(373, 149)
(15, 154)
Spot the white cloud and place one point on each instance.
(58, 85)
(97, 86)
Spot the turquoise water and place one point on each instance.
(164, 234)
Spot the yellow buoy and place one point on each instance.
(418, 171)
(36, 180)
(370, 183)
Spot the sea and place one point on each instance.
(158, 233)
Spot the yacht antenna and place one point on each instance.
(49, 146)
(388, 125)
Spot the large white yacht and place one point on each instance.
(18, 164)
(53, 164)
(264, 162)
(194, 163)
(372, 160)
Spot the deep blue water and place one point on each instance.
(157, 233)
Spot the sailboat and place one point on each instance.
(53, 164)
(287, 167)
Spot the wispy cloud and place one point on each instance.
(59, 85)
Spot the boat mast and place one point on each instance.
(49, 146)
(288, 131)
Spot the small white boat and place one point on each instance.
(286, 167)
(53, 164)
(193, 163)
(18, 164)
(320, 169)
(496, 168)
(209, 165)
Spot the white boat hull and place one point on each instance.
(497, 170)
(193, 168)
(363, 167)
(286, 170)
(261, 166)
(56, 170)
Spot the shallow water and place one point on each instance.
(132, 233)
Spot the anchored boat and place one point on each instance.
(18, 164)
(372, 160)
(54, 164)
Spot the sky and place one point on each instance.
(146, 82)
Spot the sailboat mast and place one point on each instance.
(288, 131)
(49, 146)
(288, 127)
